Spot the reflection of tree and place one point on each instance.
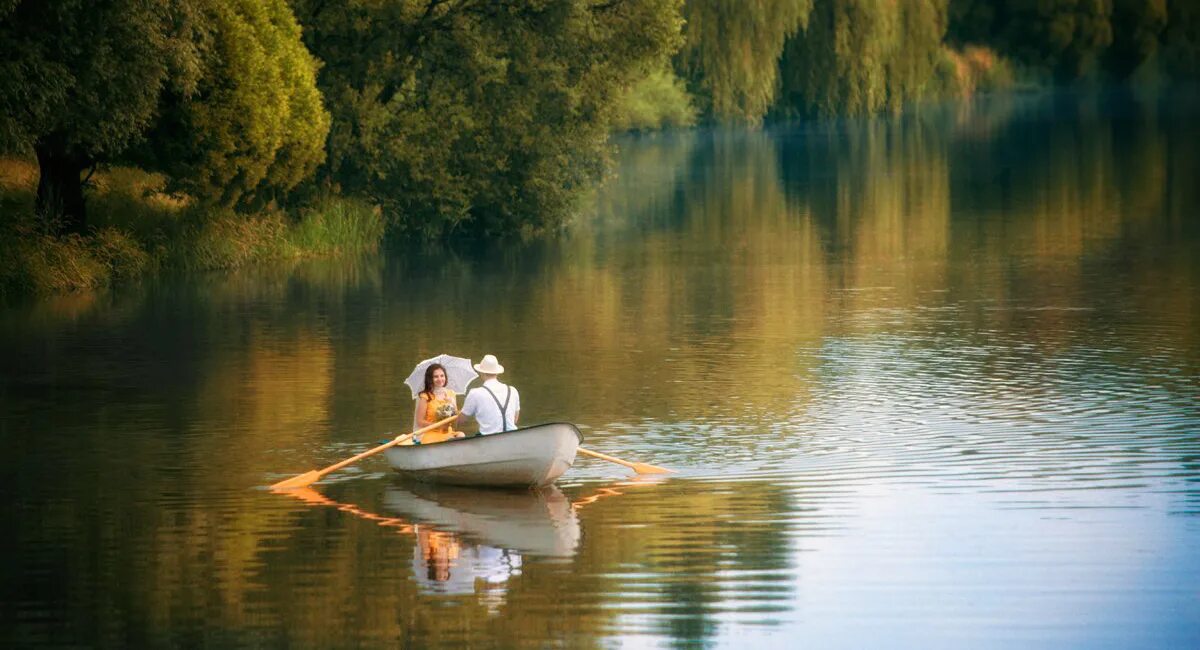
(712, 296)
(168, 398)
(879, 190)
(1077, 194)
(689, 553)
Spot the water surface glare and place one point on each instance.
(930, 382)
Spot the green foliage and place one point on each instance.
(1181, 40)
(659, 100)
(221, 94)
(862, 56)
(1068, 39)
(80, 81)
(257, 125)
(1137, 29)
(86, 77)
(139, 230)
(1065, 36)
(478, 116)
(34, 262)
(731, 52)
(336, 226)
(223, 239)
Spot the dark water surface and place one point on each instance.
(930, 382)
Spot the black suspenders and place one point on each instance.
(503, 409)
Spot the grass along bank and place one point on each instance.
(137, 229)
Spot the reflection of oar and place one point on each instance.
(308, 478)
(312, 497)
(640, 468)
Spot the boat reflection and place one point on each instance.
(471, 541)
(538, 522)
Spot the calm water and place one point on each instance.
(932, 382)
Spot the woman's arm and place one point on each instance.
(422, 409)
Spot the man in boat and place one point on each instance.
(494, 405)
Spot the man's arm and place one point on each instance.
(469, 408)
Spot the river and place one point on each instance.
(930, 381)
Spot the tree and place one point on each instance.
(861, 56)
(1137, 27)
(488, 114)
(1181, 40)
(256, 125)
(971, 22)
(1066, 38)
(731, 50)
(220, 94)
(82, 80)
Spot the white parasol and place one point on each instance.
(459, 374)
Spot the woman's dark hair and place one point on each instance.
(429, 377)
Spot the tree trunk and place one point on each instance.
(60, 191)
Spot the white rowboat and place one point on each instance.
(528, 457)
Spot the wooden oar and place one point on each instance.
(308, 478)
(640, 468)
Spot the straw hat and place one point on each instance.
(489, 365)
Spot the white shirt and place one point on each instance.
(480, 405)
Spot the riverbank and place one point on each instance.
(140, 230)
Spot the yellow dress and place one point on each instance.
(431, 408)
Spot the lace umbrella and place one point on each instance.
(459, 374)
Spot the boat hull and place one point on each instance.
(529, 457)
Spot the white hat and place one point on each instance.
(489, 365)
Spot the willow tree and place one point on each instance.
(861, 56)
(731, 53)
(220, 94)
(486, 116)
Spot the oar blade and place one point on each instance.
(640, 468)
(644, 468)
(304, 480)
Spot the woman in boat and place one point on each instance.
(436, 399)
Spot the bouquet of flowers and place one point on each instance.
(445, 410)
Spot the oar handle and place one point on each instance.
(391, 443)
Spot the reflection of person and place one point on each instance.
(444, 564)
(494, 405)
(435, 403)
(439, 551)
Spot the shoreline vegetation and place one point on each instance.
(197, 135)
(138, 230)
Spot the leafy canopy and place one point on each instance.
(88, 76)
(861, 56)
(730, 56)
(487, 116)
(257, 124)
(221, 94)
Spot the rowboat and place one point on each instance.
(528, 457)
